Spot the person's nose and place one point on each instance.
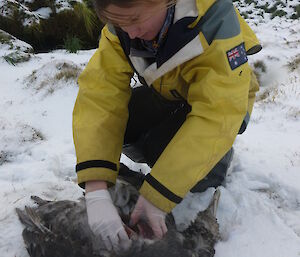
(133, 31)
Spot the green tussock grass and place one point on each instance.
(89, 18)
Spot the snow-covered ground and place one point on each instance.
(259, 210)
(30, 16)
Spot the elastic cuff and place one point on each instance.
(157, 199)
(101, 194)
(92, 174)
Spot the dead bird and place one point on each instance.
(60, 229)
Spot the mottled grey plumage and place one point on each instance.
(60, 229)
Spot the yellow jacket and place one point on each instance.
(202, 71)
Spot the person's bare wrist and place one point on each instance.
(91, 186)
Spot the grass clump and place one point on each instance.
(279, 13)
(16, 57)
(49, 34)
(270, 95)
(244, 15)
(294, 64)
(296, 15)
(52, 77)
(259, 68)
(263, 96)
(5, 38)
(72, 44)
(67, 72)
(89, 18)
(248, 2)
(260, 65)
(31, 134)
(273, 9)
(267, 9)
(4, 157)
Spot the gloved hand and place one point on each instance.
(105, 221)
(155, 218)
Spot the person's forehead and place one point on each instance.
(121, 15)
(128, 10)
(115, 10)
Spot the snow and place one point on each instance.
(260, 204)
(261, 10)
(14, 44)
(259, 208)
(7, 10)
(44, 12)
(33, 17)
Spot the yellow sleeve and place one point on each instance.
(218, 96)
(252, 43)
(101, 111)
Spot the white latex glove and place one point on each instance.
(144, 210)
(105, 221)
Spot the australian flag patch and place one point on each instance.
(237, 56)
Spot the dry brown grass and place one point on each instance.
(67, 72)
(294, 64)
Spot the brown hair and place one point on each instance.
(101, 5)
